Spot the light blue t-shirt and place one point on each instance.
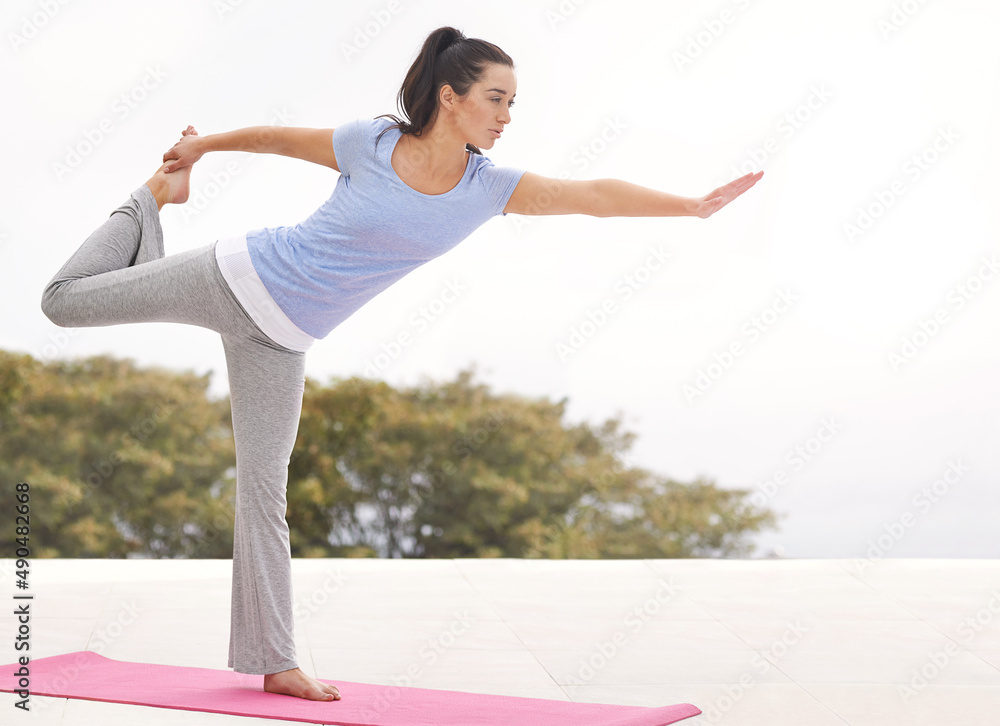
(372, 231)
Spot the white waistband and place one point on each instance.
(236, 266)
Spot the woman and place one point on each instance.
(407, 192)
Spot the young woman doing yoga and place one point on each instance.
(407, 192)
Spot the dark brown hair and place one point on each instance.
(447, 57)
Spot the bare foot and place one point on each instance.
(172, 188)
(296, 683)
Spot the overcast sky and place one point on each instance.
(830, 340)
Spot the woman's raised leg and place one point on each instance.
(120, 274)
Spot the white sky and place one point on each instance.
(832, 106)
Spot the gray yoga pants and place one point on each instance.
(120, 275)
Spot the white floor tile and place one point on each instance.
(881, 704)
(98, 713)
(417, 667)
(604, 666)
(662, 634)
(989, 656)
(42, 711)
(748, 641)
(460, 682)
(753, 704)
(335, 633)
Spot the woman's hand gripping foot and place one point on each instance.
(171, 183)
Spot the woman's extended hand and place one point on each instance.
(185, 152)
(715, 200)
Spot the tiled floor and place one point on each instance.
(750, 642)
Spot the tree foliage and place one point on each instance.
(121, 461)
(453, 470)
(124, 461)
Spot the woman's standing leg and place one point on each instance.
(266, 383)
(265, 389)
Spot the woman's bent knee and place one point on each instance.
(53, 305)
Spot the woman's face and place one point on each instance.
(487, 106)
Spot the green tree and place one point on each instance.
(121, 460)
(124, 461)
(453, 470)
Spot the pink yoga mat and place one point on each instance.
(93, 677)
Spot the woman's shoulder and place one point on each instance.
(379, 123)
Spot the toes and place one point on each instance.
(321, 695)
(329, 692)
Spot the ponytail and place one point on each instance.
(446, 58)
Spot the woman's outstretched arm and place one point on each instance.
(315, 145)
(536, 194)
